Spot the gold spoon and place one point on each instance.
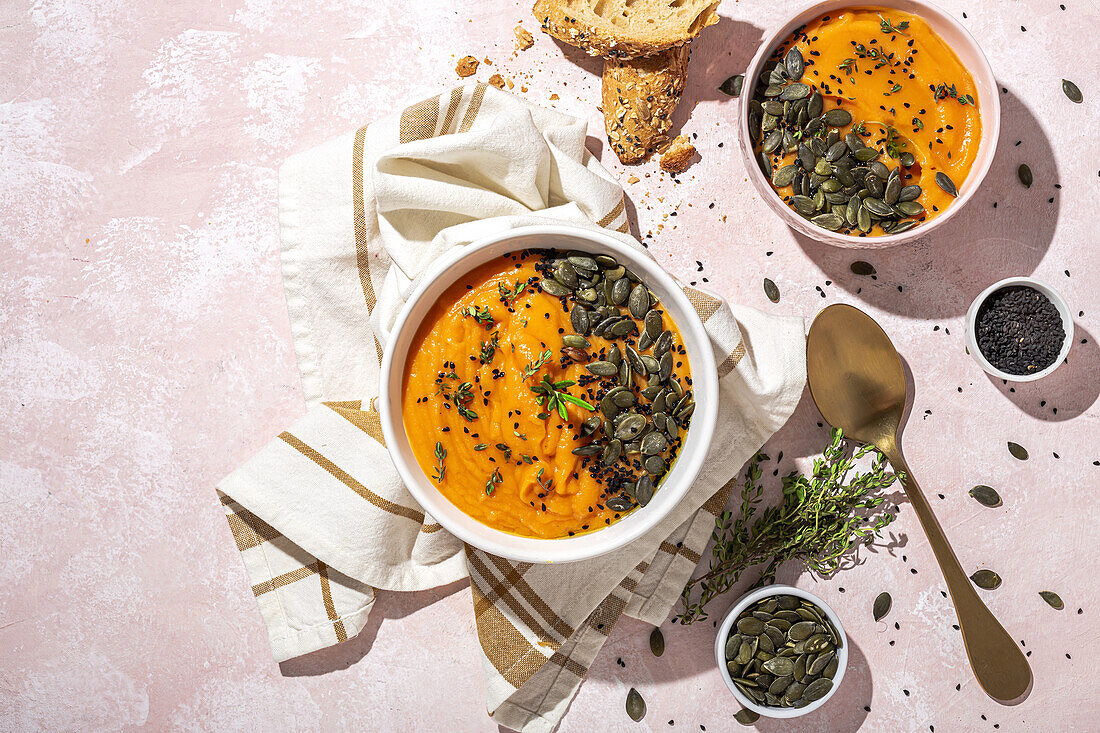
(857, 381)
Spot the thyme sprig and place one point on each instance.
(508, 295)
(821, 519)
(533, 367)
(887, 27)
(491, 484)
(480, 314)
(440, 470)
(489, 349)
(552, 396)
(945, 91)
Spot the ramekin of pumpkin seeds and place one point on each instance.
(781, 651)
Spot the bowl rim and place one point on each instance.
(448, 268)
(991, 125)
(1053, 295)
(727, 624)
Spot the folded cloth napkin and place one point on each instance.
(321, 517)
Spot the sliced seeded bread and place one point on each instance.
(625, 28)
(639, 96)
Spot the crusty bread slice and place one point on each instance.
(639, 96)
(625, 28)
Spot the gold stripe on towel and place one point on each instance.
(285, 579)
(731, 361)
(330, 608)
(362, 252)
(687, 552)
(717, 503)
(503, 645)
(501, 590)
(473, 108)
(452, 109)
(418, 122)
(705, 305)
(514, 576)
(613, 214)
(369, 421)
(569, 664)
(248, 529)
(343, 477)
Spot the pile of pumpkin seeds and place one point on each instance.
(782, 652)
(838, 183)
(638, 429)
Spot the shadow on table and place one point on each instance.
(1066, 393)
(943, 272)
(721, 51)
(388, 605)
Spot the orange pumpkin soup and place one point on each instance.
(525, 418)
(875, 79)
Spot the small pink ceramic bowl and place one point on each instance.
(989, 105)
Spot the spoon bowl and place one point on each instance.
(857, 381)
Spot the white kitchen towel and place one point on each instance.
(320, 515)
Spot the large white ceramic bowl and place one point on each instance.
(731, 618)
(1051, 294)
(453, 266)
(989, 106)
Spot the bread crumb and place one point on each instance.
(488, 61)
(632, 180)
(511, 84)
(467, 66)
(524, 39)
(523, 88)
(678, 156)
(554, 97)
(497, 80)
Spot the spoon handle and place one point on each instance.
(998, 663)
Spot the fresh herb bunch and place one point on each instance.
(821, 519)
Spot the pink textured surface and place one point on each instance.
(146, 352)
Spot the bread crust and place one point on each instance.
(581, 26)
(639, 97)
(678, 156)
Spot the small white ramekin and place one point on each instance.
(731, 618)
(1051, 294)
(458, 262)
(989, 106)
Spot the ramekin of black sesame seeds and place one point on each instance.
(855, 147)
(1019, 329)
(694, 436)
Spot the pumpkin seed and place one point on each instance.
(744, 716)
(882, 605)
(1024, 174)
(602, 368)
(910, 208)
(575, 340)
(630, 427)
(802, 630)
(837, 118)
(771, 290)
(1052, 599)
(794, 63)
(750, 625)
(944, 181)
(733, 85)
(907, 159)
(554, 288)
(612, 452)
(653, 444)
(657, 642)
(578, 317)
(653, 324)
(1018, 451)
(639, 302)
(654, 465)
(986, 579)
(817, 689)
(798, 90)
(635, 705)
(619, 504)
(779, 666)
(832, 222)
(784, 176)
(818, 665)
(909, 193)
(583, 262)
(592, 449)
(1071, 91)
(622, 328)
(986, 495)
(866, 155)
(565, 274)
